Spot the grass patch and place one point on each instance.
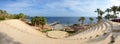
(71, 32)
(44, 30)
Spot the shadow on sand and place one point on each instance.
(5, 39)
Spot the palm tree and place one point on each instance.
(100, 13)
(108, 13)
(112, 16)
(108, 16)
(42, 21)
(118, 9)
(82, 20)
(99, 18)
(108, 10)
(37, 21)
(114, 9)
(91, 19)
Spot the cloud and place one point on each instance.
(115, 2)
(58, 8)
(19, 4)
(76, 6)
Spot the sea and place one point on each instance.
(67, 20)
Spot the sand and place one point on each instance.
(57, 34)
(17, 32)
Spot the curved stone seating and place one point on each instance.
(83, 34)
(97, 31)
(93, 32)
(101, 27)
(100, 38)
(108, 26)
(103, 39)
(100, 30)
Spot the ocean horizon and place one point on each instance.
(67, 20)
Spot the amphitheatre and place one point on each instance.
(17, 32)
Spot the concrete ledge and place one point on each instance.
(116, 30)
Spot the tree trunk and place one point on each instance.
(82, 22)
(35, 24)
(115, 15)
(42, 26)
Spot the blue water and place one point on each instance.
(67, 20)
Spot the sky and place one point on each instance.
(64, 8)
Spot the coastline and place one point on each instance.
(66, 20)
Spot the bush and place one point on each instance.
(2, 18)
(71, 32)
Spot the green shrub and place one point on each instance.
(2, 18)
(71, 32)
